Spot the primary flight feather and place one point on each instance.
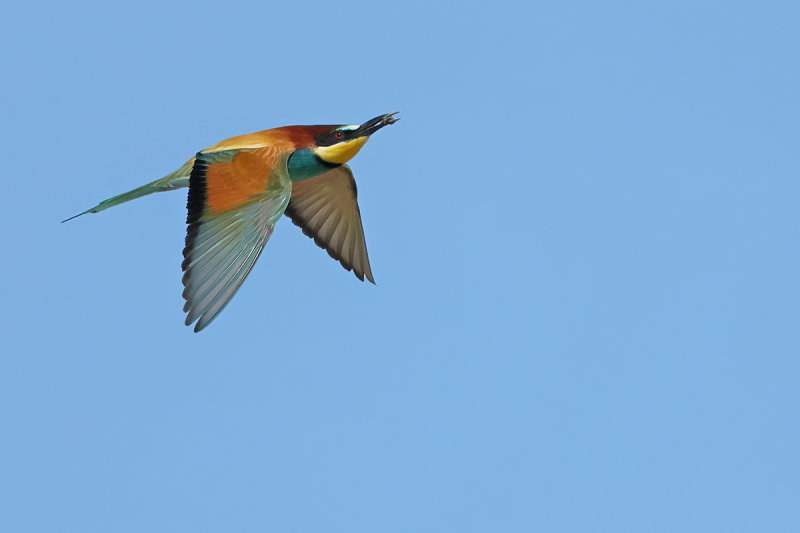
(240, 187)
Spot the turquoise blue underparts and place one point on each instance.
(303, 164)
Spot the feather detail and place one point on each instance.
(326, 209)
(235, 198)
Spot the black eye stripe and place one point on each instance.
(333, 137)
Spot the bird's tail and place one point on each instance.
(175, 180)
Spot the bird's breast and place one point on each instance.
(303, 164)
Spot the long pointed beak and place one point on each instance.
(371, 126)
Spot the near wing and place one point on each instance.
(223, 243)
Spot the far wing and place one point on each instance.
(235, 198)
(326, 209)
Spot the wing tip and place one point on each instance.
(198, 326)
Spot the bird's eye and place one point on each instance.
(339, 134)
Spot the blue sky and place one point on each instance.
(585, 237)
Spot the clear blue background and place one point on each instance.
(584, 232)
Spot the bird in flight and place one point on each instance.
(240, 187)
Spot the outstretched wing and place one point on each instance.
(235, 198)
(326, 209)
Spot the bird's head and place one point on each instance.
(341, 143)
(321, 148)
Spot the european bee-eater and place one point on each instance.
(240, 187)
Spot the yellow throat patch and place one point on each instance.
(341, 153)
